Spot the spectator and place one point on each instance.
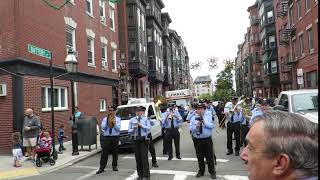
(77, 113)
(16, 149)
(61, 137)
(283, 146)
(31, 127)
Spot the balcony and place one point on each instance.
(290, 31)
(286, 68)
(137, 69)
(282, 8)
(290, 60)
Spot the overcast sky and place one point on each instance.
(209, 28)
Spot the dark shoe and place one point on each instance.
(199, 174)
(164, 153)
(236, 153)
(63, 149)
(213, 176)
(155, 165)
(139, 178)
(229, 152)
(114, 168)
(170, 158)
(178, 157)
(100, 171)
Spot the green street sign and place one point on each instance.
(39, 51)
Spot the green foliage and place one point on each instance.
(205, 96)
(224, 84)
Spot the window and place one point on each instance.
(114, 60)
(270, 16)
(112, 20)
(70, 38)
(301, 45)
(284, 102)
(272, 41)
(150, 111)
(308, 5)
(138, 17)
(294, 49)
(89, 7)
(310, 40)
(60, 98)
(104, 59)
(103, 105)
(90, 44)
(274, 67)
(312, 79)
(299, 9)
(291, 15)
(102, 11)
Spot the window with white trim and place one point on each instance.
(114, 59)
(291, 16)
(70, 38)
(274, 67)
(103, 107)
(104, 59)
(308, 5)
(60, 98)
(299, 9)
(272, 41)
(138, 17)
(90, 43)
(310, 40)
(270, 16)
(102, 11)
(112, 20)
(301, 45)
(89, 7)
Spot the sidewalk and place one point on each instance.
(7, 171)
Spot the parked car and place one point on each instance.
(303, 102)
(126, 112)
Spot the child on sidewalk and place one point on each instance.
(16, 149)
(61, 136)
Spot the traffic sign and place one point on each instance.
(39, 51)
(300, 80)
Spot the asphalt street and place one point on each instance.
(229, 167)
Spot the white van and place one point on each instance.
(126, 112)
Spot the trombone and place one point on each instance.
(241, 100)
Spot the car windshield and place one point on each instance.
(305, 102)
(126, 113)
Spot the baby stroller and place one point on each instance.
(43, 150)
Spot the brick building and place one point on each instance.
(90, 28)
(297, 31)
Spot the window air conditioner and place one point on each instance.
(102, 19)
(3, 89)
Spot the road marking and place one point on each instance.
(182, 175)
(175, 159)
(234, 177)
(87, 175)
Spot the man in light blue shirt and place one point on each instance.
(260, 109)
(163, 115)
(201, 126)
(77, 113)
(110, 127)
(139, 128)
(172, 122)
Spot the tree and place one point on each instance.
(224, 84)
(205, 96)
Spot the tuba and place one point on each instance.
(158, 109)
(111, 120)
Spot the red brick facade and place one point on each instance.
(34, 22)
(6, 127)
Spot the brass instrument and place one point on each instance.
(241, 100)
(158, 109)
(111, 120)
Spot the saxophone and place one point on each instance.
(111, 120)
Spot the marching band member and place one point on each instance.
(172, 123)
(233, 126)
(110, 126)
(201, 126)
(139, 128)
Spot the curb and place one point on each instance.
(69, 163)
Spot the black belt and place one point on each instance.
(142, 138)
(171, 128)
